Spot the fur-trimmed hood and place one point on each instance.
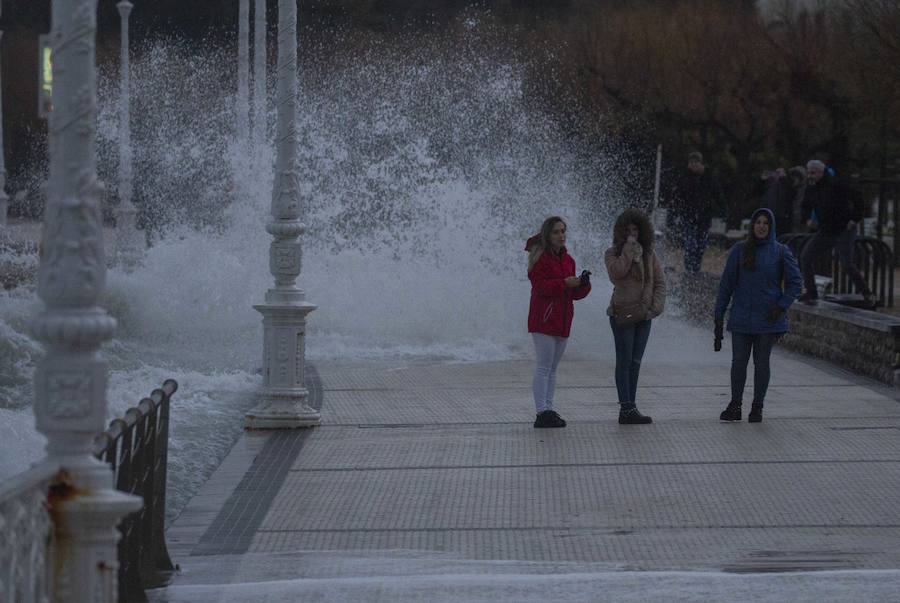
(645, 229)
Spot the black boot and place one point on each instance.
(632, 416)
(755, 415)
(732, 412)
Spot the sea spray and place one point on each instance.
(423, 170)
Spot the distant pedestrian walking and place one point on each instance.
(697, 199)
(760, 282)
(554, 287)
(829, 209)
(780, 192)
(639, 296)
(797, 176)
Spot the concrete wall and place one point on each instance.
(862, 341)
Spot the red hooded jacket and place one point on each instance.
(552, 306)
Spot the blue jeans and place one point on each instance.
(741, 346)
(694, 241)
(631, 341)
(549, 351)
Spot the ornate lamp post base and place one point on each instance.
(282, 413)
(283, 401)
(87, 532)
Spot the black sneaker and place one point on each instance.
(755, 415)
(548, 419)
(557, 421)
(633, 416)
(732, 412)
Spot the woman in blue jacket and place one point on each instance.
(760, 281)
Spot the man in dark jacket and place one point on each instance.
(697, 199)
(829, 209)
(778, 195)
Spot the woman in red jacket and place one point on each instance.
(554, 286)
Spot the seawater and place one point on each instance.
(424, 169)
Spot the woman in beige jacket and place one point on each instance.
(639, 296)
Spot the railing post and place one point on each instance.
(70, 380)
(159, 552)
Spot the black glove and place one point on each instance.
(719, 333)
(585, 277)
(775, 314)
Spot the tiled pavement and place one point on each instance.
(441, 459)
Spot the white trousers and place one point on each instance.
(549, 351)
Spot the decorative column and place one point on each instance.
(128, 240)
(70, 380)
(285, 308)
(243, 93)
(4, 198)
(259, 72)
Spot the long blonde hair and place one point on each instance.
(542, 242)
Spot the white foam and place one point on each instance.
(422, 173)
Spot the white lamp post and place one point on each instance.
(285, 308)
(243, 93)
(259, 72)
(70, 380)
(4, 198)
(128, 244)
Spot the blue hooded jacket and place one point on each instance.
(753, 293)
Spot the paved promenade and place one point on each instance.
(427, 482)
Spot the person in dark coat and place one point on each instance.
(760, 282)
(829, 209)
(697, 199)
(797, 177)
(554, 287)
(778, 195)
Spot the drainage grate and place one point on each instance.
(761, 562)
(388, 426)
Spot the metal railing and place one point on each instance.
(886, 191)
(26, 532)
(137, 447)
(873, 257)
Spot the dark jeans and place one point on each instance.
(631, 341)
(694, 241)
(741, 346)
(820, 245)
